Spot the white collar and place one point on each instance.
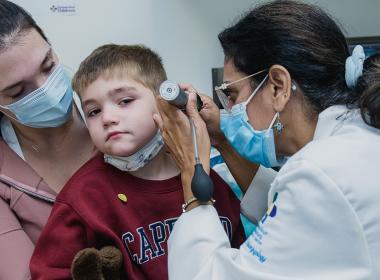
(332, 119)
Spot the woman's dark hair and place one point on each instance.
(368, 87)
(302, 38)
(14, 20)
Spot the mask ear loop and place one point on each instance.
(9, 116)
(256, 90)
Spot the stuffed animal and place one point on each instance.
(93, 264)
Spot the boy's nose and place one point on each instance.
(109, 118)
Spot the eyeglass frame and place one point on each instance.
(220, 89)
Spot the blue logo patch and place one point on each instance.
(272, 211)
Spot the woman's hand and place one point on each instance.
(242, 170)
(211, 115)
(176, 131)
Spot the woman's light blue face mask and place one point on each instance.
(48, 106)
(257, 146)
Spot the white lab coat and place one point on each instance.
(255, 201)
(324, 222)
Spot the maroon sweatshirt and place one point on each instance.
(88, 213)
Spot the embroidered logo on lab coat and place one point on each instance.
(272, 209)
(255, 241)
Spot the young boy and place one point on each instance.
(130, 195)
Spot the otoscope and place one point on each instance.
(201, 184)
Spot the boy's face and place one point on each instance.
(118, 113)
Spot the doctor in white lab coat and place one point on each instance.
(309, 102)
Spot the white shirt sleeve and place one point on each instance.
(255, 201)
(309, 232)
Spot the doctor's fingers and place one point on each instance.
(170, 138)
(187, 87)
(207, 100)
(169, 112)
(192, 110)
(203, 138)
(175, 129)
(210, 111)
(211, 115)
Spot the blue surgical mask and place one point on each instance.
(257, 146)
(48, 106)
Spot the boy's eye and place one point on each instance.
(125, 101)
(93, 112)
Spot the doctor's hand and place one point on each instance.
(176, 132)
(211, 115)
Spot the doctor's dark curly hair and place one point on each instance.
(368, 88)
(15, 21)
(307, 42)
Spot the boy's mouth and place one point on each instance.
(113, 134)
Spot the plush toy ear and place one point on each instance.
(112, 262)
(93, 264)
(87, 265)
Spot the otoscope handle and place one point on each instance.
(171, 92)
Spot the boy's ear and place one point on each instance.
(281, 85)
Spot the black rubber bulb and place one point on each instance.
(201, 184)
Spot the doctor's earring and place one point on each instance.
(293, 88)
(278, 126)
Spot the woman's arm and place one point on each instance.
(241, 169)
(300, 237)
(253, 180)
(16, 248)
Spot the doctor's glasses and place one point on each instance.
(224, 96)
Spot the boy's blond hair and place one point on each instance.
(135, 61)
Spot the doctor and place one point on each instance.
(291, 92)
